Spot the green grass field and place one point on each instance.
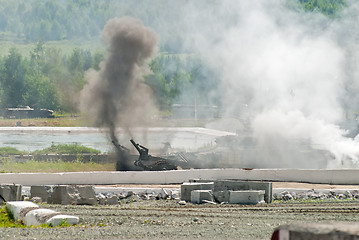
(9, 166)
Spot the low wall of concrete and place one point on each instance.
(95, 158)
(344, 176)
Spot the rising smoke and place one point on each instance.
(289, 74)
(286, 74)
(116, 96)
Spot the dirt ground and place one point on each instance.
(167, 219)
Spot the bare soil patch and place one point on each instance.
(166, 219)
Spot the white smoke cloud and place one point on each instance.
(295, 72)
(287, 74)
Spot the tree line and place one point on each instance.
(53, 20)
(45, 79)
(327, 7)
(50, 79)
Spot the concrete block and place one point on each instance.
(187, 188)
(221, 196)
(234, 185)
(42, 191)
(63, 194)
(10, 192)
(113, 200)
(73, 195)
(246, 197)
(58, 219)
(320, 231)
(197, 196)
(19, 208)
(222, 185)
(38, 216)
(31, 214)
(87, 195)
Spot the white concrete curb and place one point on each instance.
(16, 207)
(31, 214)
(340, 176)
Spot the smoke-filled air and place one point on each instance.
(116, 95)
(287, 78)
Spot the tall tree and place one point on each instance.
(12, 78)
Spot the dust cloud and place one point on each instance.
(287, 75)
(116, 95)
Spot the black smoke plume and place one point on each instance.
(116, 95)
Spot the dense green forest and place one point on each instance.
(48, 77)
(326, 7)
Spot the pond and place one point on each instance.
(36, 138)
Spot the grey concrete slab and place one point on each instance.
(248, 197)
(198, 196)
(187, 188)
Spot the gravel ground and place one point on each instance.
(167, 219)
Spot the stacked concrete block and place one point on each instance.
(10, 192)
(73, 195)
(249, 197)
(232, 185)
(243, 192)
(235, 185)
(30, 214)
(188, 187)
(199, 196)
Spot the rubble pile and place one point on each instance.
(195, 191)
(317, 195)
(112, 198)
(85, 195)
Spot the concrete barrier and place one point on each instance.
(187, 188)
(337, 230)
(339, 176)
(232, 191)
(248, 197)
(10, 192)
(30, 214)
(43, 192)
(73, 195)
(197, 196)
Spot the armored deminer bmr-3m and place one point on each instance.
(151, 163)
(144, 161)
